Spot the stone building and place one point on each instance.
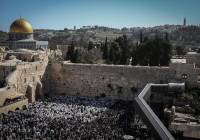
(21, 36)
(21, 67)
(21, 73)
(2, 53)
(193, 58)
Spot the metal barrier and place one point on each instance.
(147, 114)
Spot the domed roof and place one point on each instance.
(21, 26)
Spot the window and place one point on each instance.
(33, 79)
(24, 80)
(184, 76)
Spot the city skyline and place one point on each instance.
(110, 13)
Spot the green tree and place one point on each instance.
(70, 51)
(90, 45)
(141, 37)
(179, 50)
(167, 36)
(154, 53)
(105, 49)
(74, 58)
(123, 44)
(114, 54)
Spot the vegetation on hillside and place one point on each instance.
(192, 98)
(3, 36)
(120, 51)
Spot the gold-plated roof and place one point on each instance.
(21, 26)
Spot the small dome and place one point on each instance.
(21, 26)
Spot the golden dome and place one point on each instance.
(21, 26)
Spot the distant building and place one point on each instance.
(178, 60)
(21, 36)
(74, 28)
(193, 58)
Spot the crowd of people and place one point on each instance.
(69, 118)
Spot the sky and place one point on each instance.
(60, 14)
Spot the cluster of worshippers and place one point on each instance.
(68, 118)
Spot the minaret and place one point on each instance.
(184, 22)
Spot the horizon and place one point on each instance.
(119, 28)
(54, 15)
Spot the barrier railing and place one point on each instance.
(148, 115)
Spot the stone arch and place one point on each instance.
(30, 94)
(184, 76)
(38, 90)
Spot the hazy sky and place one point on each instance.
(58, 14)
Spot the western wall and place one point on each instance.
(40, 77)
(25, 82)
(116, 82)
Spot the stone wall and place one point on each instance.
(193, 59)
(27, 56)
(117, 82)
(114, 81)
(29, 74)
(13, 107)
(5, 70)
(186, 73)
(2, 55)
(22, 75)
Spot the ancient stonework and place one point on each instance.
(32, 80)
(117, 82)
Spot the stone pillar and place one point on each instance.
(38, 90)
(30, 94)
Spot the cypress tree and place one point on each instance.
(141, 37)
(105, 49)
(70, 51)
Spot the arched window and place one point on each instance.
(184, 76)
